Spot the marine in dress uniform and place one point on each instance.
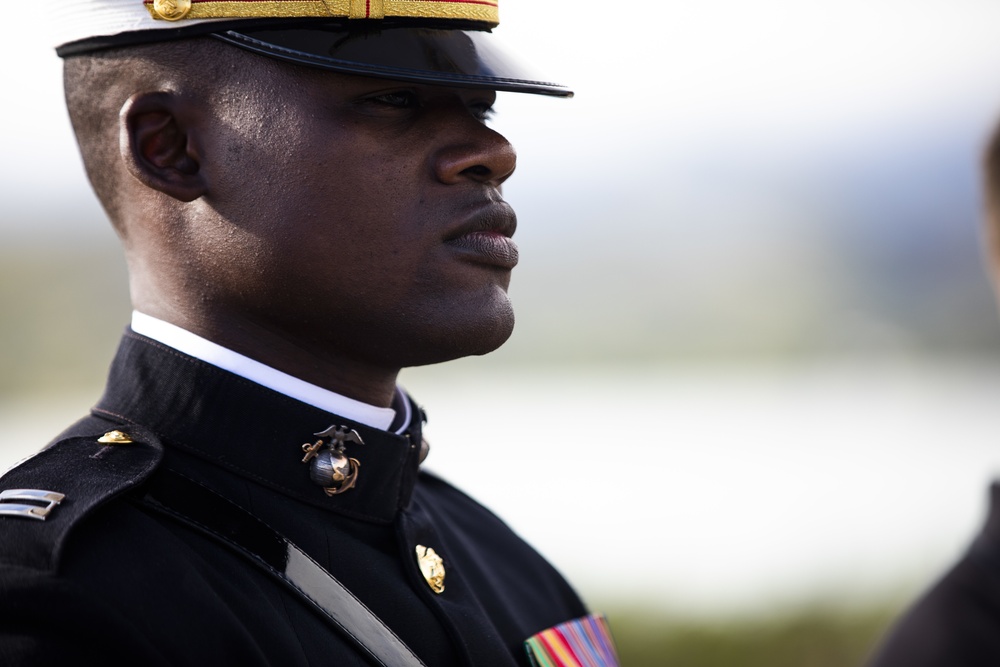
(318, 210)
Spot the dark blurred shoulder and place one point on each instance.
(48, 611)
(957, 622)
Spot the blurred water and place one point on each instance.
(706, 491)
(730, 490)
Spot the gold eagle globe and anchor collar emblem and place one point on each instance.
(329, 466)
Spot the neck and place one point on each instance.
(310, 361)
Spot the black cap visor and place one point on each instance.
(422, 54)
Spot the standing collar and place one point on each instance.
(252, 431)
(194, 345)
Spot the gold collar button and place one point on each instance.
(432, 567)
(115, 438)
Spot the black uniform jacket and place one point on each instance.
(957, 622)
(107, 580)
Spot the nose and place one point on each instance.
(479, 154)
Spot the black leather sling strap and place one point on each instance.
(211, 514)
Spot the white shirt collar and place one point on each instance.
(195, 346)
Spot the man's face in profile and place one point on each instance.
(359, 213)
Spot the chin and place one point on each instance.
(466, 336)
(485, 342)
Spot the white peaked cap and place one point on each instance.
(446, 42)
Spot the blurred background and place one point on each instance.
(749, 405)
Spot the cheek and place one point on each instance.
(367, 215)
(329, 208)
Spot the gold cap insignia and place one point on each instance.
(171, 10)
(432, 567)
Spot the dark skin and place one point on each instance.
(334, 227)
(991, 186)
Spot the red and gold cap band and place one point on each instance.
(484, 11)
(73, 21)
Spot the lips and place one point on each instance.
(484, 237)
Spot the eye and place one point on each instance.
(483, 111)
(399, 99)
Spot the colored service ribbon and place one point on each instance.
(585, 642)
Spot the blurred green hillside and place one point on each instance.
(64, 307)
(814, 637)
(63, 312)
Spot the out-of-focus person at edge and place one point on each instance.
(956, 623)
(308, 195)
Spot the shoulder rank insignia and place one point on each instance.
(36, 504)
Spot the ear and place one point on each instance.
(158, 143)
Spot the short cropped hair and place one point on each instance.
(97, 84)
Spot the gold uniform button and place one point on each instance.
(171, 10)
(115, 438)
(432, 567)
